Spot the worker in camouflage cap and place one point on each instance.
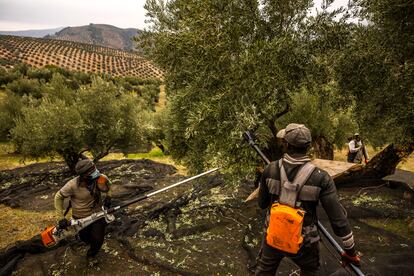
(317, 186)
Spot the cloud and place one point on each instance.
(56, 13)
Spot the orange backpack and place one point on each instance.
(286, 219)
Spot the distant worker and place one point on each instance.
(290, 189)
(85, 194)
(357, 150)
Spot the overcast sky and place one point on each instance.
(45, 14)
(41, 14)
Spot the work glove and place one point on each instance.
(107, 202)
(350, 259)
(63, 223)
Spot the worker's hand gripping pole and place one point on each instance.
(250, 139)
(337, 247)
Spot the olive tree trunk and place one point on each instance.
(381, 165)
(385, 162)
(71, 159)
(322, 148)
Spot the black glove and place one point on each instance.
(63, 224)
(107, 202)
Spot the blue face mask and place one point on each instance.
(95, 174)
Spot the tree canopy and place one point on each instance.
(97, 118)
(51, 112)
(231, 65)
(376, 70)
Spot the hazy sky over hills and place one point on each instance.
(45, 14)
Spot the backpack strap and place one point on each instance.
(289, 191)
(303, 175)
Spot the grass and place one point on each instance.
(162, 100)
(396, 226)
(18, 224)
(10, 160)
(155, 155)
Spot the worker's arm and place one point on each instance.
(264, 195)
(352, 147)
(59, 205)
(336, 213)
(109, 192)
(65, 191)
(105, 185)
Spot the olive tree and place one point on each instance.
(231, 65)
(51, 129)
(97, 117)
(113, 118)
(375, 71)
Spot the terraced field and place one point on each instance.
(75, 56)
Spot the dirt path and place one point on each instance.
(162, 99)
(202, 228)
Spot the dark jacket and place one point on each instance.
(327, 195)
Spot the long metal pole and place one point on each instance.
(252, 143)
(325, 232)
(337, 247)
(111, 210)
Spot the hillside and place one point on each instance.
(99, 34)
(74, 56)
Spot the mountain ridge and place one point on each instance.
(99, 34)
(38, 33)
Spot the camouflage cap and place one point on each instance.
(297, 135)
(84, 166)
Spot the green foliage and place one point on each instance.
(234, 64)
(9, 110)
(24, 86)
(59, 88)
(40, 74)
(320, 116)
(376, 70)
(97, 117)
(24, 82)
(112, 119)
(51, 128)
(7, 77)
(150, 93)
(158, 125)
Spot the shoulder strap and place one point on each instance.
(283, 176)
(303, 175)
(290, 190)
